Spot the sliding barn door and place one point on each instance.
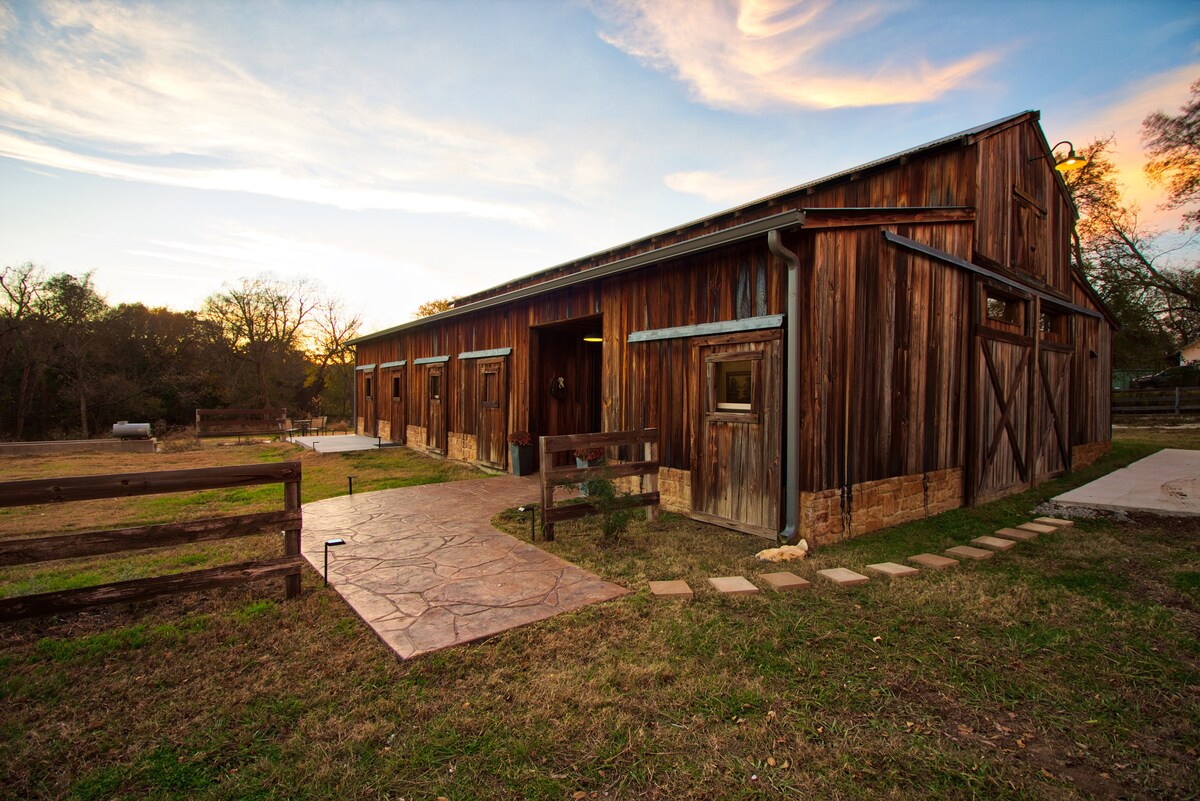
(736, 456)
(1053, 442)
(492, 431)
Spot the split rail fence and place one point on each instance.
(1156, 401)
(557, 477)
(123, 485)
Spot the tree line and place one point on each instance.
(72, 364)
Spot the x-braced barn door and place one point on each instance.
(436, 407)
(1053, 443)
(1001, 384)
(736, 452)
(493, 414)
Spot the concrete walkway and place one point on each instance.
(425, 569)
(337, 443)
(1165, 483)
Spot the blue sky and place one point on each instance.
(402, 151)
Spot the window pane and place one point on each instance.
(368, 388)
(734, 388)
(396, 387)
(435, 386)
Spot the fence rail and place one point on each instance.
(1156, 401)
(94, 543)
(554, 477)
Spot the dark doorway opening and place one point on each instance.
(567, 370)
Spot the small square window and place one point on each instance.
(491, 389)
(734, 386)
(1004, 309)
(396, 387)
(368, 389)
(435, 386)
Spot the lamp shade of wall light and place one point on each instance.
(1069, 162)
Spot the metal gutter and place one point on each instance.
(362, 368)
(726, 236)
(791, 521)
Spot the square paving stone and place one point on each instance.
(1038, 527)
(1057, 522)
(967, 552)
(671, 589)
(1018, 534)
(994, 543)
(843, 577)
(732, 585)
(783, 582)
(893, 570)
(933, 561)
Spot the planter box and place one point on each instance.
(522, 459)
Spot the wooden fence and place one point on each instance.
(94, 543)
(241, 422)
(1156, 401)
(554, 477)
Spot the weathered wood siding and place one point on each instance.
(1091, 415)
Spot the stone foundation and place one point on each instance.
(833, 515)
(675, 489)
(1084, 455)
(463, 447)
(360, 427)
(416, 438)
(383, 429)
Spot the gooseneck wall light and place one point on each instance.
(1067, 163)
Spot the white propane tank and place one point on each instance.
(128, 430)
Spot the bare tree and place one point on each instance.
(1173, 144)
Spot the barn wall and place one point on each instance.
(1091, 414)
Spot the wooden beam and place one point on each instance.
(574, 511)
(885, 215)
(568, 475)
(94, 543)
(50, 603)
(125, 485)
(708, 329)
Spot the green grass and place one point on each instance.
(1065, 668)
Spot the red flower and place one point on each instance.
(589, 454)
(520, 438)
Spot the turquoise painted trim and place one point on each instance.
(386, 365)
(362, 368)
(708, 329)
(432, 360)
(484, 354)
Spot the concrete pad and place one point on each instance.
(425, 569)
(893, 570)
(1038, 528)
(671, 589)
(338, 443)
(1018, 534)
(933, 561)
(1057, 522)
(784, 582)
(732, 585)
(967, 552)
(1166, 483)
(994, 543)
(843, 577)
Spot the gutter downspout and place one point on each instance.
(791, 521)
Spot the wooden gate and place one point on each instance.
(736, 449)
(436, 408)
(491, 390)
(396, 411)
(1053, 442)
(1000, 399)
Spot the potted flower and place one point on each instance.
(522, 457)
(588, 457)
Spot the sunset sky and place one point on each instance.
(402, 151)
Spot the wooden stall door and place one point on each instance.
(736, 459)
(491, 390)
(1000, 398)
(1053, 443)
(436, 408)
(366, 401)
(397, 391)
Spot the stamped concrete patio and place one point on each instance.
(426, 570)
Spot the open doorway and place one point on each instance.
(567, 366)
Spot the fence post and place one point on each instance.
(291, 536)
(650, 454)
(547, 490)
(1177, 394)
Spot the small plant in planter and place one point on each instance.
(522, 456)
(588, 457)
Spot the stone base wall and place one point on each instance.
(1084, 455)
(383, 429)
(675, 489)
(832, 516)
(360, 426)
(463, 447)
(416, 438)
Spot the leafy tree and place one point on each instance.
(432, 307)
(1173, 144)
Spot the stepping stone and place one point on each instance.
(1018, 534)
(933, 561)
(967, 552)
(1057, 522)
(1038, 528)
(843, 577)
(994, 543)
(783, 582)
(732, 585)
(671, 589)
(893, 570)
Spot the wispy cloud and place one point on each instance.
(746, 55)
(141, 93)
(721, 187)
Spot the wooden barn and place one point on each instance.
(879, 345)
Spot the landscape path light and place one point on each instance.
(331, 544)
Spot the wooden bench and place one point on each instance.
(242, 423)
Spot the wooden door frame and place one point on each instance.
(481, 406)
(401, 372)
(440, 369)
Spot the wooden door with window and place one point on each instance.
(366, 401)
(736, 392)
(491, 432)
(436, 408)
(1001, 395)
(396, 411)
